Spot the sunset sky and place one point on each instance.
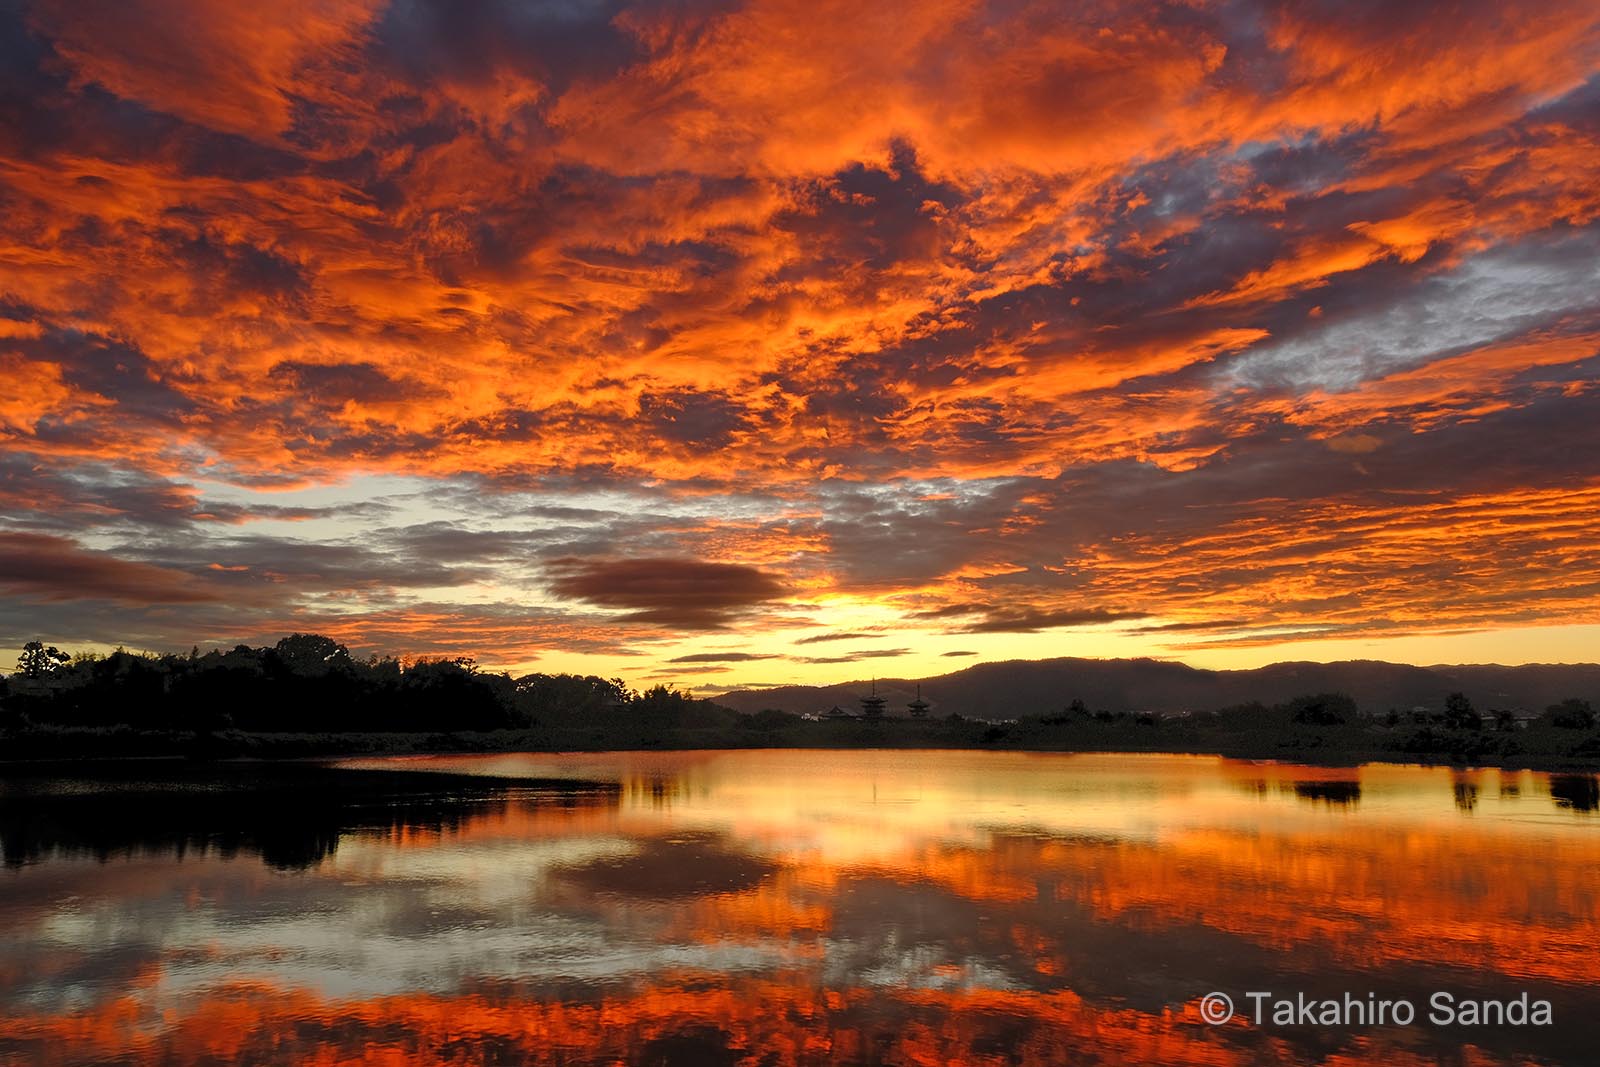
(758, 341)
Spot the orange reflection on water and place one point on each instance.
(1354, 866)
(773, 1023)
(840, 907)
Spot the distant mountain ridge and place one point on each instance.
(1035, 687)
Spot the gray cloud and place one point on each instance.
(683, 593)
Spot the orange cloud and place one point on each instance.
(764, 251)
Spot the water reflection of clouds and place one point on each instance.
(845, 871)
(379, 933)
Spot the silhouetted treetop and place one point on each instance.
(39, 659)
(310, 683)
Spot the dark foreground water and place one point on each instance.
(796, 908)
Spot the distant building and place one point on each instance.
(919, 707)
(872, 706)
(836, 713)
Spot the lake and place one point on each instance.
(796, 907)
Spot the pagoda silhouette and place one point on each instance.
(919, 707)
(872, 705)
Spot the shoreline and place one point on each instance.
(85, 747)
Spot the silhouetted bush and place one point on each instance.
(1322, 709)
(1426, 741)
(1570, 714)
(1459, 713)
(770, 719)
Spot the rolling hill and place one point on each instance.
(1034, 687)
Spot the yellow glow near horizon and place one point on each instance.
(1508, 647)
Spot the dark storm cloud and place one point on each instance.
(856, 657)
(339, 383)
(429, 41)
(721, 657)
(986, 618)
(870, 218)
(844, 636)
(305, 565)
(110, 369)
(1183, 627)
(49, 568)
(671, 592)
(699, 419)
(227, 267)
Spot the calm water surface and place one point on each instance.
(787, 908)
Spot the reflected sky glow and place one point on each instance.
(824, 907)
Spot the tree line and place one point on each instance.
(308, 695)
(312, 683)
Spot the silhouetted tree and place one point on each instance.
(568, 697)
(665, 708)
(1459, 713)
(770, 719)
(442, 693)
(39, 659)
(11, 716)
(311, 655)
(1570, 714)
(1322, 709)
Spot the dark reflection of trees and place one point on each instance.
(1466, 797)
(1580, 792)
(659, 791)
(292, 816)
(1344, 794)
(691, 1046)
